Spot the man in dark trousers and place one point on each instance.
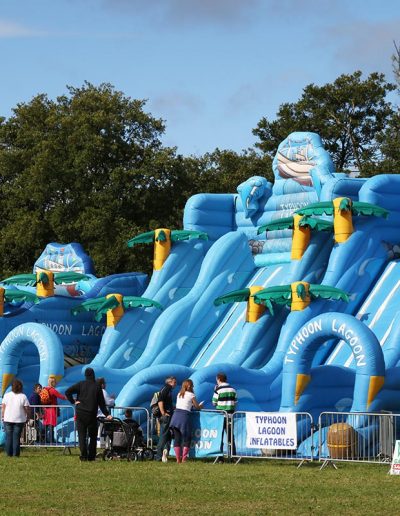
(225, 398)
(166, 407)
(88, 398)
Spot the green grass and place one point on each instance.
(41, 482)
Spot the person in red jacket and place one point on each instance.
(50, 413)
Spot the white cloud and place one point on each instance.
(10, 29)
(190, 12)
(176, 106)
(365, 45)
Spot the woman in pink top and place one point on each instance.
(180, 421)
(50, 413)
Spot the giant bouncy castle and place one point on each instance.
(291, 288)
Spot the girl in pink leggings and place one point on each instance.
(180, 421)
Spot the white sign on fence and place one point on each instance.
(276, 431)
(395, 467)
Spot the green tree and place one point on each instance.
(348, 114)
(84, 167)
(221, 171)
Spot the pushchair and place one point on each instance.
(124, 440)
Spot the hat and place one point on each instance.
(89, 373)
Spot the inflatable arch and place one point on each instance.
(50, 349)
(367, 352)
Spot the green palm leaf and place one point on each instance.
(345, 204)
(365, 208)
(29, 280)
(161, 236)
(177, 235)
(20, 295)
(281, 295)
(143, 238)
(301, 291)
(236, 296)
(317, 224)
(326, 292)
(137, 302)
(69, 277)
(267, 303)
(283, 223)
(100, 305)
(318, 208)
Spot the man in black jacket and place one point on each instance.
(89, 397)
(165, 405)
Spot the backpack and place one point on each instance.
(45, 396)
(155, 409)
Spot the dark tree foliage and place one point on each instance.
(89, 167)
(80, 168)
(348, 114)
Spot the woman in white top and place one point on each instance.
(15, 412)
(109, 399)
(180, 421)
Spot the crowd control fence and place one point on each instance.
(340, 436)
(50, 426)
(357, 437)
(272, 435)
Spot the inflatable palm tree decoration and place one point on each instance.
(342, 210)
(44, 280)
(114, 306)
(9, 296)
(162, 239)
(254, 310)
(302, 226)
(297, 295)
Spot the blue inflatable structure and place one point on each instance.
(80, 335)
(329, 354)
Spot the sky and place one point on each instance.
(211, 69)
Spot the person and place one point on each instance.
(109, 399)
(15, 413)
(133, 426)
(110, 402)
(128, 417)
(35, 413)
(166, 407)
(88, 398)
(34, 398)
(180, 421)
(50, 413)
(225, 398)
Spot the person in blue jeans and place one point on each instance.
(165, 406)
(15, 412)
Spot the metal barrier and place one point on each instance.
(141, 415)
(357, 437)
(59, 430)
(303, 447)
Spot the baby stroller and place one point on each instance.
(124, 440)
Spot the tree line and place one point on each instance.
(90, 166)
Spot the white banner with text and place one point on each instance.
(273, 430)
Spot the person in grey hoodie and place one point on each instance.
(88, 398)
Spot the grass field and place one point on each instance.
(52, 483)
